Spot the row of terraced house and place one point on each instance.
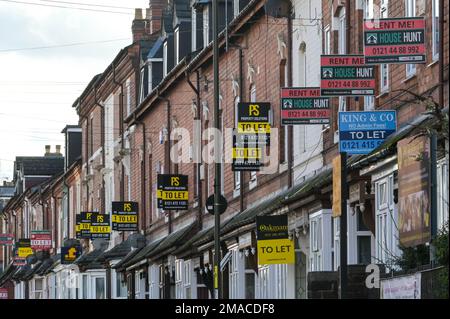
(129, 120)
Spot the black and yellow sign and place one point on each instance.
(125, 216)
(254, 122)
(172, 192)
(274, 245)
(24, 248)
(100, 226)
(70, 253)
(246, 155)
(83, 225)
(252, 133)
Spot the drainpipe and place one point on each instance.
(42, 208)
(121, 130)
(241, 97)
(290, 133)
(66, 186)
(86, 156)
(102, 139)
(143, 175)
(168, 146)
(197, 165)
(441, 54)
(54, 220)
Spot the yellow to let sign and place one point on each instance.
(124, 219)
(24, 252)
(100, 229)
(253, 127)
(172, 195)
(245, 152)
(276, 251)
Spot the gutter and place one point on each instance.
(66, 186)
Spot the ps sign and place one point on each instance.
(362, 132)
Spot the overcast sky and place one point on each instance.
(39, 86)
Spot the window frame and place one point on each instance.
(435, 17)
(410, 11)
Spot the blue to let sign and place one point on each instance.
(362, 132)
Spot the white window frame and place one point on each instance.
(165, 56)
(194, 29)
(142, 78)
(342, 32)
(368, 9)
(386, 221)
(263, 291)
(188, 280)
(153, 279)
(281, 276)
(117, 291)
(235, 8)
(94, 285)
(176, 33)
(320, 250)
(234, 273)
(327, 37)
(128, 88)
(369, 103)
(410, 11)
(384, 68)
(205, 26)
(179, 273)
(435, 16)
(442, 193)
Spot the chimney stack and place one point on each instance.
(139, 26)
(154, 15)
(47, 149)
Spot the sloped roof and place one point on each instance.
(40, 165)
(6, 191)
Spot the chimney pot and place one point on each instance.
(138, 14)
(47, 149)
(58, 149)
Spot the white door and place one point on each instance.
(386, 221)
(98, 284)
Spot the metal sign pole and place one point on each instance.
(343, 227)
(217, 149)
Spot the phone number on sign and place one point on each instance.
(353, 145)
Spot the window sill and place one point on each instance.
(382, 94)
(236, 192)
(409, 78)
(283, 167)
(434, 62)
